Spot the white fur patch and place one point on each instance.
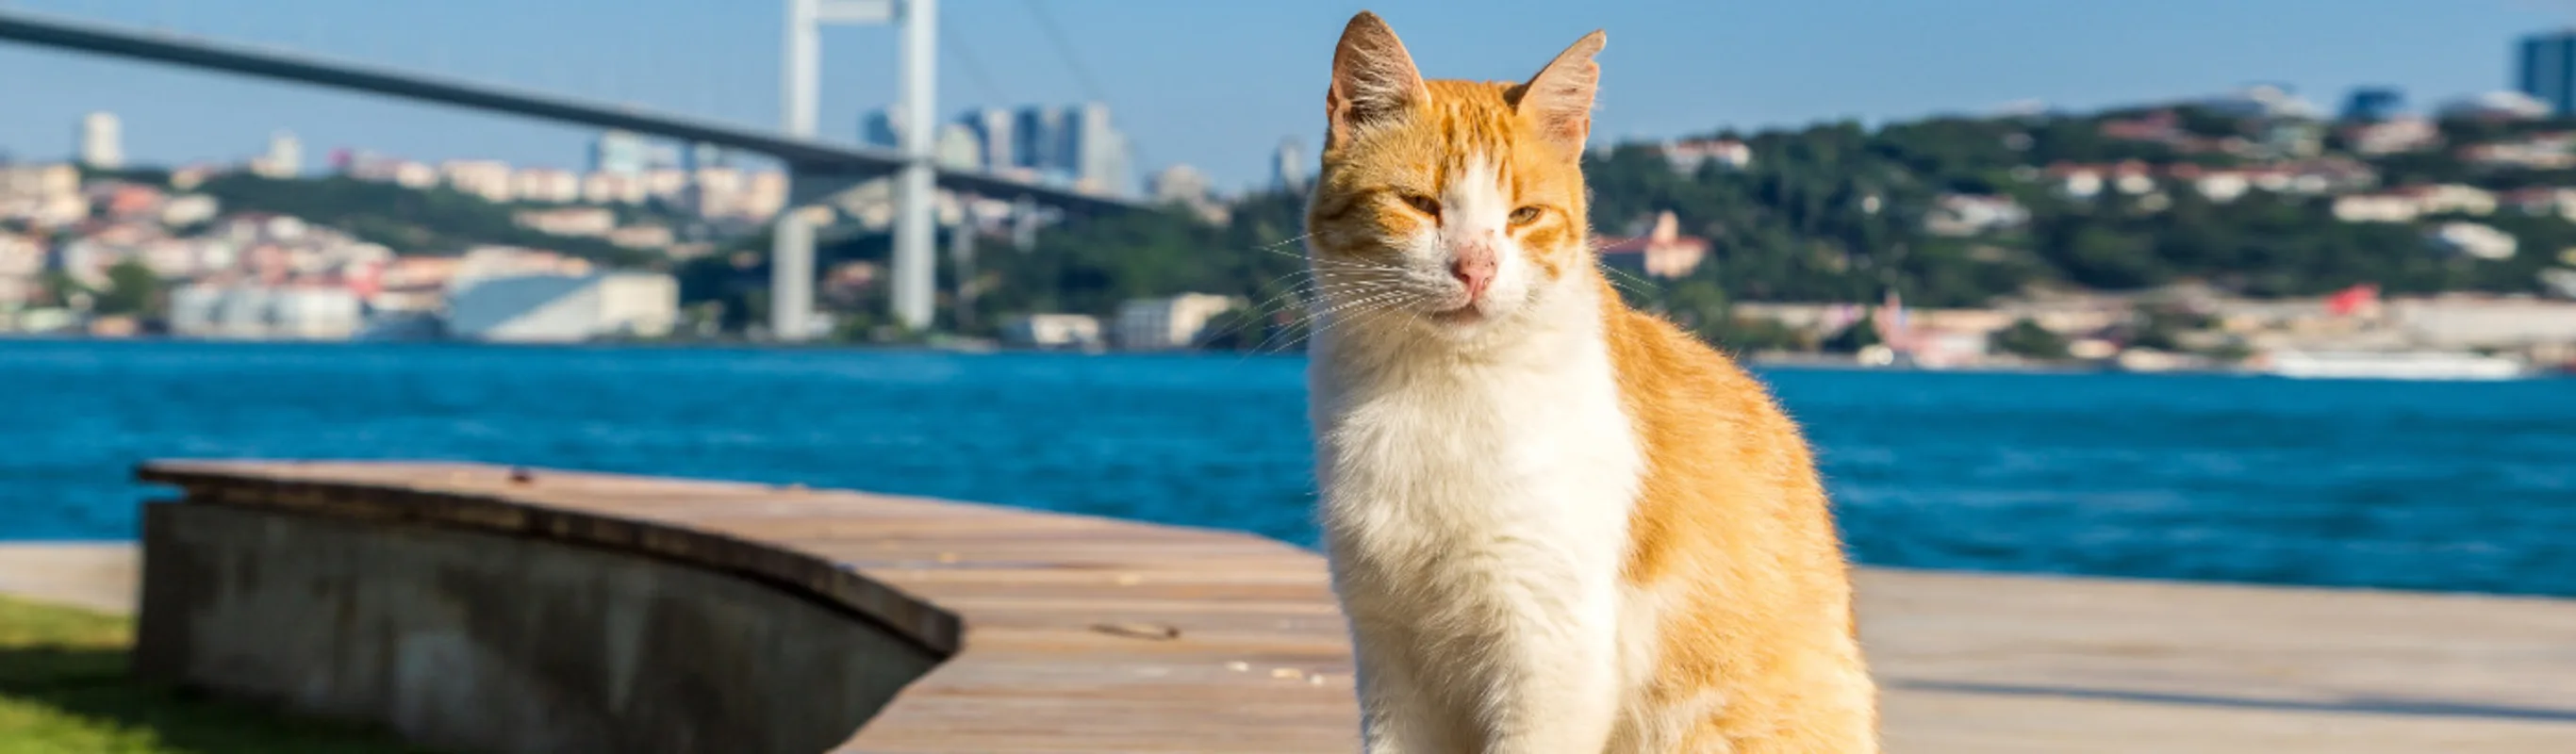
(1477, 209)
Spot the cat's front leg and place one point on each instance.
(1558, 689)
(1395, 716)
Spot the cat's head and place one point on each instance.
(1451, 205)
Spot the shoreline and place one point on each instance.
(1771, 360)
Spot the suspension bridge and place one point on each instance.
(816, 167)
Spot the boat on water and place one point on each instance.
(2393, 365)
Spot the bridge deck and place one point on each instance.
(806, 155)
(1083, 634)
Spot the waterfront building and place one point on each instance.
(1168, 323)
(561, 308)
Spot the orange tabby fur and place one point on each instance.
(1733, 627)
(1732, 516)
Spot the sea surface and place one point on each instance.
(2434, 486)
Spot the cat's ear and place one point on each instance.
(1559, 98)
(1374, 80)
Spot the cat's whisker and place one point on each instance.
(1614, 273)
(1631, 284)
(1312, 286)
(1324, 262)
(1361, 298)
(1369, 315)
(1392, 298)
(1289, 240)
(1260, 312)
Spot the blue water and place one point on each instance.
(2462, 487)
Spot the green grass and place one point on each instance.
(64, 689)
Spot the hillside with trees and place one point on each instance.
(1841, 213)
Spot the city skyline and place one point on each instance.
(1669, 66)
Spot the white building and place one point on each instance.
(2087, 181)
(2376, 208)
(584, 222)
(202, 310)
(20, 255)
(189, 209)
(22, 260)
(620, 188)
(39, 180)
(1053, 331)
(1185, 186)
(2262, 101)
(992, 127)
(2484, 322)
(1288, 166)
(285, 157)
(2393, 136)
(546, 185)
(2472, 240)
(565, 308)
(957, 147)
(1180, 184)
(46, 195)
(490, 179)
(643, 236)
(1968, 215)
(2499, 104)
(1168, 323)
(102, 141)
(1688, 155)
(2407, 203)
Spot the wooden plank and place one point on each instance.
(1078, 634)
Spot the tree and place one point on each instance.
(132, 289)
(1238, 329)
(1859, 335)
(1699, 306)
(2027, 339)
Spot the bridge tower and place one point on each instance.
(791, 268)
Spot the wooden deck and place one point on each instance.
(1079, 634)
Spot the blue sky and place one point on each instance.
(1217, 83)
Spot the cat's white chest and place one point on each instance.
(1519, 476)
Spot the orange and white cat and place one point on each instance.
(1557, 525)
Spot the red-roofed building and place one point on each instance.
(1663, 252)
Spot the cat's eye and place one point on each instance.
(1525, 215)
(1424, 204)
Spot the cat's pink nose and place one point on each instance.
(1474, 268)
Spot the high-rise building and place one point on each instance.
(2372, 104)
(102, 141)
(618, 152)
(992, 126)
(704, 156)
(882, 128)
(1038, 140)
(1288, 166)
(1115, 173)
(2546, 70)
(284, 159)
(1180, 184)
(1091, 140)
(664, 156)
(1099, 153)
(958, 148)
